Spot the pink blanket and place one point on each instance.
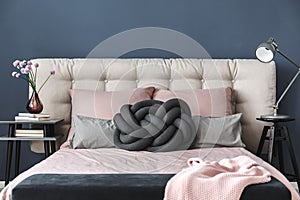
(111, 160)
(216, 180)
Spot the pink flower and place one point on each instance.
(14, 74)
(24, 71)
(28, 67)
(22, 63)
(16, 63)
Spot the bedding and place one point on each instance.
(102, 104)
(218, 131)
(216, 102)
(228, 176)
(119, 161)
(92, 133)
(105, 105)
(251, 94)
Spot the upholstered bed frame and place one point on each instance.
(253, 83)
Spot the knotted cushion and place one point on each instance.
(153, 125)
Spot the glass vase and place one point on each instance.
(34, 104)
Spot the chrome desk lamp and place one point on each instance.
(265, 52)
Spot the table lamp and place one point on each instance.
(265, 52)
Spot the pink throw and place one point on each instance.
(222, 180)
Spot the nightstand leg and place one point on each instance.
(46, 148)
(262, 140)
(17, 161)
(11, 130)
(271, 143)
(280, 151)
(52, 143)
(18, 149)
(8, 161)
(53, 147)
(46, 143)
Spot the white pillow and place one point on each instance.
(218, 131)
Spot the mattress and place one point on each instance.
(118, 161)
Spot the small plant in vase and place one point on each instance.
(27, 70)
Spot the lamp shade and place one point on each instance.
(265, 52)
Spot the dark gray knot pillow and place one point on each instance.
(153, 125)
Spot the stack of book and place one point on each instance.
(32, 117)
(29, 133)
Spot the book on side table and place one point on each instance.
(29, 133)
(32, 117)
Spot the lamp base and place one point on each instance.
(274, 117)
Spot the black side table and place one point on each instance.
(48, 138)
(278, 134)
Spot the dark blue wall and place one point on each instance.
(71, 28)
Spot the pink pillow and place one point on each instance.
(102, 104)
(216, 102)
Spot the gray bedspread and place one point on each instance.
(153, 125)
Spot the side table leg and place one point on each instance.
(17, 161)
(46, 143)
(53, 147)
(52, 143)
(47, 150)
(280, 151)
(8, 161)
(18, 149)
(262, 140)
(271, 143)
(11, 130)
(292, 154)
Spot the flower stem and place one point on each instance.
(30, 83)
(44, 83)
(31, 78)
(35, 74)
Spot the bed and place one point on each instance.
(89, 90)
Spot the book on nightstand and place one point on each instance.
(29, 133)
(32, 117)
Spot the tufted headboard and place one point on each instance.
(253, 83)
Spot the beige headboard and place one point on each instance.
(253, 83)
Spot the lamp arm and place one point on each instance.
(295, 64)
(285, 91)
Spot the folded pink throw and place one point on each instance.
(222, 180)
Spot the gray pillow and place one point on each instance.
(92, 133)
(218, 131)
